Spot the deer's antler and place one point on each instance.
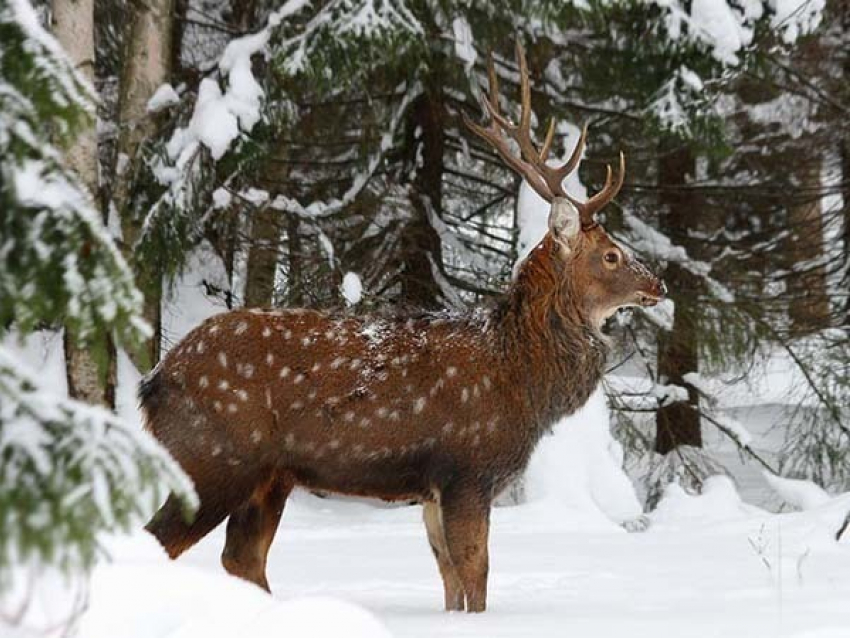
(531, 164)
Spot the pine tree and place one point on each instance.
(68, 470)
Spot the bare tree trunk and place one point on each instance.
(808, 307)
(90, 369)
(262, 258)
(678, 351)
(147, 65)
(295, 284)
(421, 246)
(845, 235)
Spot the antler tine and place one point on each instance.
(575, 157)
(493, 82)
(493, 135)
(589, 208)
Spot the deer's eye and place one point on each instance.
(612, 257)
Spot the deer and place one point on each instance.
(441, 408)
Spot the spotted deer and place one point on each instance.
(441, 409)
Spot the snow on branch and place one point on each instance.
(330, 207)
(71, 470)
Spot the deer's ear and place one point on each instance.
(564, 222)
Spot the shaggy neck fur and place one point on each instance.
(548, 337)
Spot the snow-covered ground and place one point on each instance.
(707, 566)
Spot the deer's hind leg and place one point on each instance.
(452, 587)
(251, 529)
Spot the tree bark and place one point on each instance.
(90, 368)
(678, 350)
(295, 284)
(420, 243)
(808, 308)
(262, 258)
(148, 61)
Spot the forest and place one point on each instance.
(168, 160)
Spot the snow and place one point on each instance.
(771, 575)
(578, 469)
(194, 603)
(464, 43)
(722, 26)
(352, 288)
(162, 98)
(800, 493)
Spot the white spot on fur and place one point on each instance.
(241, 327)
(243, 396)
(394, 415)
(223, 384)
(334, 444)
(486, 382)
(284, 372)
(213, 329)
(306, 341)
(298, 378)
(256, 437)
(200, 347)
(245, 369)
(448, 427)
(365, 422)
(475, 391)
(287, 334)
(203, 382)
(349, 416)
(267, 332)
(451, 371)
(382, 412)
(269, 359)
(354, 364)
(316, 367)
(296, 405)
(222, 359)
(464, 395)
(419, 405)
(336, 363)
(216, 450)
(332, 401)
(232, 408)
(217, 406)
(289, 441)
(268, 399)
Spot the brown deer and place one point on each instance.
(435, 408)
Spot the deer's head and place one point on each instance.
(605, 274)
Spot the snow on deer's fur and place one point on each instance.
(435, 408)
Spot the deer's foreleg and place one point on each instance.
(466, 522)
(452, 586)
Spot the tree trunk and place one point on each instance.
(420, 243)
(678, 350)
(295, 284)
(808, 308)
(90, 368)
(262, 258)
(845, 194)
(147, 65)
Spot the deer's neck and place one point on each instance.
(549, 342)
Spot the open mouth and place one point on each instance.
(646, 300)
